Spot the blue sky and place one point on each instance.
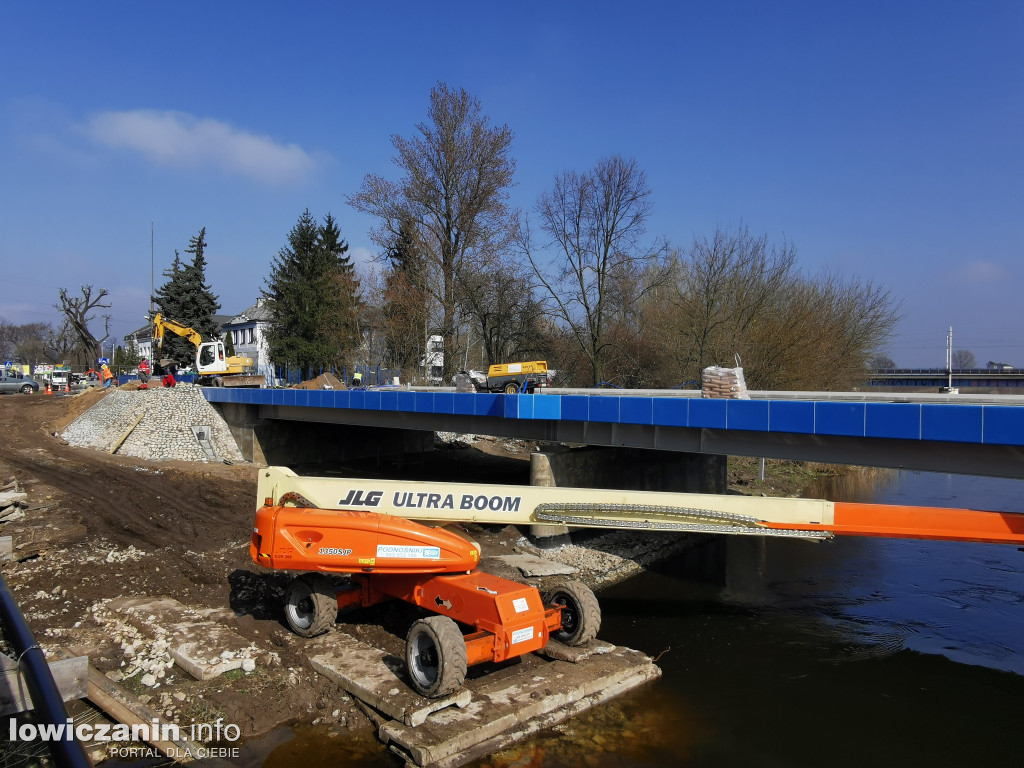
(882, 139)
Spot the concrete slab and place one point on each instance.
(373, 676)
(506, 708)
(575, 654)
(531, 565)
(8, 498)
(198, 644)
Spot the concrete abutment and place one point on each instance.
(289, 443)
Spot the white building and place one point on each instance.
(248, 331)
(432, 363)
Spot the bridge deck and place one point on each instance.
(971, 434)
(997, 420)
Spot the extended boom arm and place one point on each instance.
(639, 510)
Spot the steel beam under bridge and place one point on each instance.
(967, 434)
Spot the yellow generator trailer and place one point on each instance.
(513, 378)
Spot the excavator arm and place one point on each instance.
(161, 326)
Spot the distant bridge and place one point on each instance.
(939, 377)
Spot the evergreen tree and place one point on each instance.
(312, 294)
(187, 300)
(406, 299)
(346, 325)
(168, 303)
(131, 354)
(199, 304)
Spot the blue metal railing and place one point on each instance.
(46, 698)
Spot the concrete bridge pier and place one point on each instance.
(633, 469)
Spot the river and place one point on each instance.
(853, 652)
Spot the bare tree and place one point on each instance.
(963, 360)
(453, 194)
(730, 297)
(594, 222)
(26, 343)
(500, 309)
(737, 294)
(77, 312)
(62, 344)
(879, 361)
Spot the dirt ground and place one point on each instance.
(99, 527)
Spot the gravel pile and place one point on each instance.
(158, 424)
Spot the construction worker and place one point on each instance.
(357, 380)
(144, 373)
(168, 380)
(106, 375)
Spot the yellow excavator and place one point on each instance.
(213, 366)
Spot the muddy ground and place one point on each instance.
(101, 526)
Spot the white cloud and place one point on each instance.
(177, 139)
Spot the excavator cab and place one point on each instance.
(210, 358)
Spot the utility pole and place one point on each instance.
(949, 389)
(151, 270)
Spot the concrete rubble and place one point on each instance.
(12, 505)
(13, 501)
(506, 708)
(531, 565)
(153, 424)
(157, 633)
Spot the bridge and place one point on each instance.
(939, 377)
(967, 434)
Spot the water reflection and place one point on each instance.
(962, 600)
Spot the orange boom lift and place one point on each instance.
(362, 527)
(391, 557)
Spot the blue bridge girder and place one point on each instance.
(967, 434)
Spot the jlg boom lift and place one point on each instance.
(367, 528)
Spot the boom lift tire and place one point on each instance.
(581, 613)
(512, 388)
(435, 655)
(311, 605)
